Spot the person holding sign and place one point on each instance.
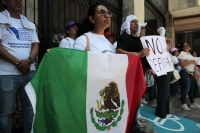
(163, 83)
(161, 63)
(187, 81)
(129, 43)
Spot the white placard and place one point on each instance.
(159, 58)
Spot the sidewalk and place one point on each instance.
(179, 121)
(193, 114)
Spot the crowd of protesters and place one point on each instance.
(17, 68)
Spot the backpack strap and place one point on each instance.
(87, 48)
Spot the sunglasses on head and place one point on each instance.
(103, 12)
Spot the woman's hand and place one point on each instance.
(184, 63)
(48, 50)
(144, 52)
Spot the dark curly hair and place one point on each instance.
(86, 25)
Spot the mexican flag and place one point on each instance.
(85, 92)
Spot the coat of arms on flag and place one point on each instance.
(109, 108)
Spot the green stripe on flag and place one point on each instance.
(60, 86)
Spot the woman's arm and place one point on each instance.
(121, 51)
(184, 63)
(144, 52)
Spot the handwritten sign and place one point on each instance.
(159, 58)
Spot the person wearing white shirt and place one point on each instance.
(71, 29)
(174, 51)
(18, 49)
(91, 33)
(187, 62)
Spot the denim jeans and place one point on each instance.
(9, 86)
(187, 87)
(152, 91)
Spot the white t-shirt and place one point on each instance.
(67, 43)
(187, 56)
(178, 68)
(17, 41)
(98, 43)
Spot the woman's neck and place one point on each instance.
(72, 37)
(99, 31)
(187, 52)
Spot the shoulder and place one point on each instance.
(4, 19)
(80, 38)
(182, 55)
(124, 36)
(80, 43)
(26, 23)
(64, 40)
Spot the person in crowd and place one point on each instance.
(152, 88)
(197, 74)
(187, 81)
(163, 82)
(174, 86)
(71, 29)
(193, 53)
(18, 49)
(91, 33)
(129, 43)
(110, 36)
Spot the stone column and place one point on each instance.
(139, 10)
(135, 7)
(170, 31)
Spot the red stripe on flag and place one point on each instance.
(135, 86)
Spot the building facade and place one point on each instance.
(186, 22)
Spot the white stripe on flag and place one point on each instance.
(31, 94)
(103, 69)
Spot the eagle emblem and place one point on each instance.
(109, 109)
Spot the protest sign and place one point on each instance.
(159, 58)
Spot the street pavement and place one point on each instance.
(178, 121)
